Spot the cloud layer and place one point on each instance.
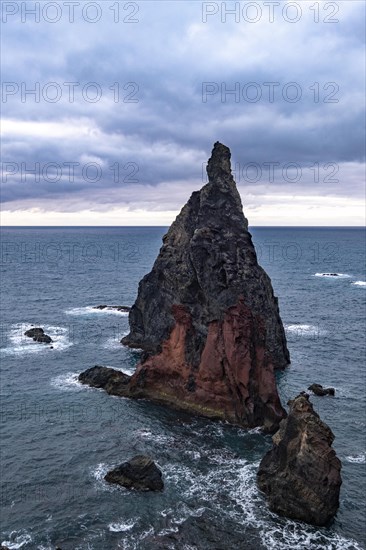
(115, 120)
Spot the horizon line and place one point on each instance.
(164, 226)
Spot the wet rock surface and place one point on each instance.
(38, 335)
(318, 390)
(112, 381)
(301, 474)
(140, 473)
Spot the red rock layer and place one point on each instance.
(234, 380)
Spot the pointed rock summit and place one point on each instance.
(206, 316)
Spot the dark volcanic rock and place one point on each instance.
(301, 474)
(117, 308)
(317, 389)
(34, 332)
(206, 316)
(204, 532)
(38, 335)
(112, 381)
(138, 473)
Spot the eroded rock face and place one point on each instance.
(206, 316)
(207, 263)
(301, 474)
(139, 473)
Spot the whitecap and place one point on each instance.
(23, 344)
(91, 310)
(359, 283)
(113, 342)
(121, 526)
(156, 438)
(297, 536)
(305, 330)
(193, 455)
(357, 459)
(100, 471)
(333, 275)
(17, 540)
(68, 382)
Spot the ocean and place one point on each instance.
(59, 438)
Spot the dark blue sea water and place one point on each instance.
(59, 438)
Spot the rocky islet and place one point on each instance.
(209, 326)
(206, 316)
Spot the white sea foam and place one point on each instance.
(17, 540)
(193, 455)
(91, 310)
(98, 474)
(165, 440)
(119, 527)
(357, 459)
(234, 480)
(22, 344)
(297, 536)
(68, 382)
(100, 471)
(113, 343)
(305, 330)
(360, 283)
(333, 275)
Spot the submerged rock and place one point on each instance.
(139, 473)
(203, 531)
(317, 389)
(38, 335)
(301, 474)
(206, 316)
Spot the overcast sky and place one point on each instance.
(125, 142)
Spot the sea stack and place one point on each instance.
(206, 315)
(301, 474)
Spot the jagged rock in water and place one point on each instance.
(301, 474)
(206, 316)
(318, 390)
(38, 335)
(139, 473)
(112, 381)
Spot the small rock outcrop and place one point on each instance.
(301, 474)
(123, 309)
(139, 473)
(38, 335)
(206, 316)
(318, 390)
(112, 381)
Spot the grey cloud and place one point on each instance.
(170, 131)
